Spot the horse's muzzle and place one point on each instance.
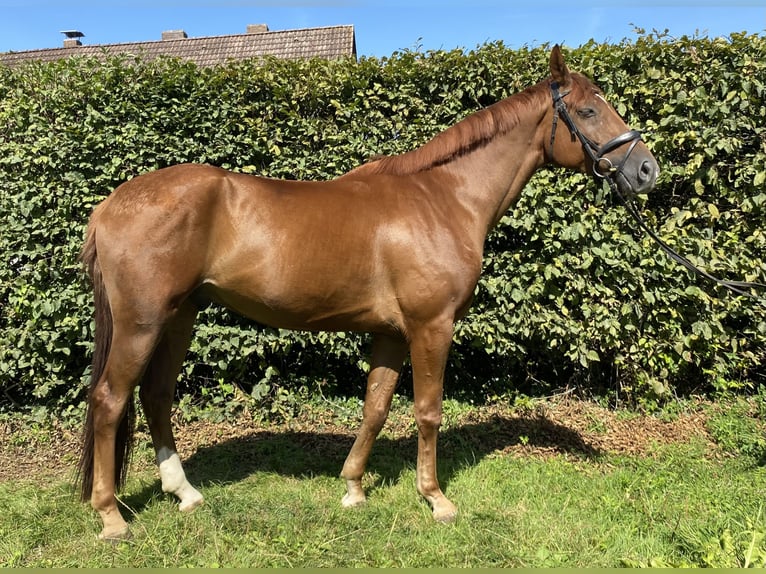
(638, 174)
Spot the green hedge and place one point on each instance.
(571, 293)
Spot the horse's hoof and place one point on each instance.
(353, 500)
(354, 494)
(444, 511)
(190, 505)
(445, 518)
(115, 536)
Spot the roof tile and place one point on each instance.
(329, 42)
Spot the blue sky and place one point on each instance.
(382, 27)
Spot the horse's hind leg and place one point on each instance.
(157, 393)
(111, 398)
(387, 357)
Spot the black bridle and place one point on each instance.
(602, 165)
(603, 168)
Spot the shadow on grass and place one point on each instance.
(309, 453)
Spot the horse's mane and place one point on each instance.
(469, 134)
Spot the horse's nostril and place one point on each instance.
(646, 171)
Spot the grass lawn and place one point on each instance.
(556, 485)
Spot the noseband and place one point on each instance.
(602, 165)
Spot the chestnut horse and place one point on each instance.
(393, 248)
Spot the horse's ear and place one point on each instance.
(559, 70)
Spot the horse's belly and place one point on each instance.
(347, 309)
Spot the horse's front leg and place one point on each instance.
(429, 350)
(387, 357)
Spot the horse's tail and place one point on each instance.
(103, 344)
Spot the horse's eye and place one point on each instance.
(586, 113)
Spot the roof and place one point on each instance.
(328, 42)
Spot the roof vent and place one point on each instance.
(72, 38)
(257, 28)
(174, 35)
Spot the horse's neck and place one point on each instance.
(491, 177)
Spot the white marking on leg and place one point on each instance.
(174, 480)
(171, 472)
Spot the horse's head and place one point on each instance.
(594, 138)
